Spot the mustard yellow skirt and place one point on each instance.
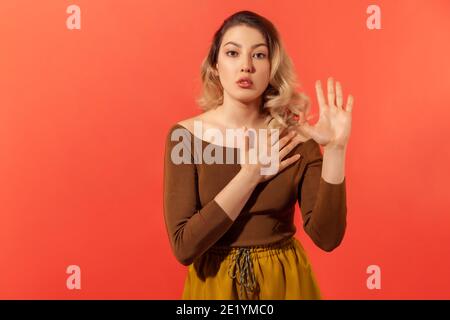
(278, 271)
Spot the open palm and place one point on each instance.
(334, 124)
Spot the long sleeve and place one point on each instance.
(323, 205)
(191, 229)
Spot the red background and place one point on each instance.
(84, 114)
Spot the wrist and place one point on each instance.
(333, 167)
(248, 177)
(330, 147)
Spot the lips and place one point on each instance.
(245, 81)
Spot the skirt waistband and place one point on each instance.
(241, 266)
(257, 251)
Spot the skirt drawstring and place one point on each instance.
(242, 270)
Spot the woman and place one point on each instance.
(228, 222)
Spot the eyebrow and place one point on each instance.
(240, 46)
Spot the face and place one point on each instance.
(243, 53)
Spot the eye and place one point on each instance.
(227, 53)
(260, 54)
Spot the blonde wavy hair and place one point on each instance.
(280, 99)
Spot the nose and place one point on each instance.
(247, 66)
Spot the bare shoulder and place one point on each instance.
(205, 117)
(189, 123)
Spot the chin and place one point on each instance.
(246, 100)
(247, 96)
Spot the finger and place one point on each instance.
(339, 98)
(287, 149)
(270, 139)
(283, 141)
(286, 163)
(349, 106)
(331, 94)
(275, 143)
(320, 97)
(274, 131)
(273, 139)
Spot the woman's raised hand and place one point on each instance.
(334, 124)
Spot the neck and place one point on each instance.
(237, 114)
